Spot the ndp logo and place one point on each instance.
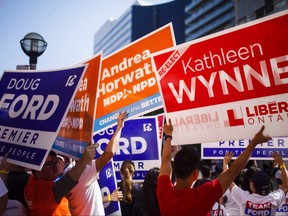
(147, 127)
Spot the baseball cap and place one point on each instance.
(278, 177)
(261, 183)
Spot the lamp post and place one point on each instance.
(33, 45)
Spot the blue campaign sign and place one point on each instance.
(139, 142)
(262, 151)
(32, 107)
(107, 183)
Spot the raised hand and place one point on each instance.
(117, 195)
(168, 128)
(260, 137)
(228, 157)
(121, 118)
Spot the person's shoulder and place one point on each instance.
(136, 184)
(278, 191)
(14, 207)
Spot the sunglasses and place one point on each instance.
(52, 165)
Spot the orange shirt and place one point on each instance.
(40, 199)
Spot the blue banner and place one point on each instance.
(139, 142)
(32, 107)
(108, 184)
(262, 151)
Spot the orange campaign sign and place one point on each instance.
(76, 131)
(127, 80)
(225, 86)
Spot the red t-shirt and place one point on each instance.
(40, 199)
(188, 201)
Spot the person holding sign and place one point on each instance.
(181, 199)
(261, 201)
(86, 197)
(43, 196)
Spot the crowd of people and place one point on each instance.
(182, 185)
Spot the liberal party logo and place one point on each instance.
(233, 120)
(258, 113)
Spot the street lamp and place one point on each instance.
(33, 45)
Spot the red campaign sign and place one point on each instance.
(237, 78)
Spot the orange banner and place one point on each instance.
(77, 128)
(127, 80)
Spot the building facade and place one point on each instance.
(140, 19)
(246, 10)
(209, 16)
(191, 19)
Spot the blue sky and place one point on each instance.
(68, 26)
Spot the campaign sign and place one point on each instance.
(160, 119)
(217, 150)
(107, 183)
(76, 130)
(33, 105)
(227, 85)
(127, 80)
(139, 142)
(283, 208)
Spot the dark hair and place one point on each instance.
(127, 170)
(149, 191)
(246, 177)
(186, 161)
(199, 182)
(205, 171)
(261, 182)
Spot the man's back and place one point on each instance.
(86, 197)
(198, 201)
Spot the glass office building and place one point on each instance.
(210, 16)
(191, 19)
(246, 10)
(140, 19)
(207, 17)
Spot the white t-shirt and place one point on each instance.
(283, 209)
(3, 188)
(255, 204)
(215, 209)
(86, 196)
(231, 206)
(15, 208)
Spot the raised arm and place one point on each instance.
(111, 147)
(278, 159)
(71, 178)
(166, 167)
(228, 157)
(228, 176)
